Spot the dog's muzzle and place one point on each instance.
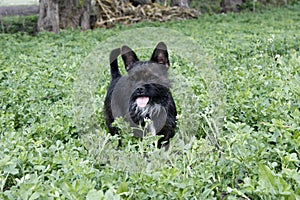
(141, 99)
(149, 102)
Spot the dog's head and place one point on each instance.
(144, 91)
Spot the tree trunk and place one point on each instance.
(180, 3)
(56, 14)
(75, 13)
(231, 5)
(48, 16)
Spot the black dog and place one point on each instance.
(142, 94)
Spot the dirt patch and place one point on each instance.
(19, 10)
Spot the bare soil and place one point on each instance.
(19, 10)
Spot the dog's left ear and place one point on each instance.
(160, 55)
(128, 56)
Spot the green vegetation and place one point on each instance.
(252, 154)
(15, 24)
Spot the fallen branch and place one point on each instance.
(111, 12)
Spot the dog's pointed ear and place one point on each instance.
(160, 55)
(114, 67)
(128, 56)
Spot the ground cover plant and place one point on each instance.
(244, 145)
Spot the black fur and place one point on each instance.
(144, 79)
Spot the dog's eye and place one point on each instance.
(133, 78)
(153, 77)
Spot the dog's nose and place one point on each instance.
(140, 90)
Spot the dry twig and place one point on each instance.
(111, 12)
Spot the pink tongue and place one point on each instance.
(142, 101)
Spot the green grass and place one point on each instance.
(19, 24)
(238, 98)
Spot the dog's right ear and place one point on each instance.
(160, 55)
(128, 56)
